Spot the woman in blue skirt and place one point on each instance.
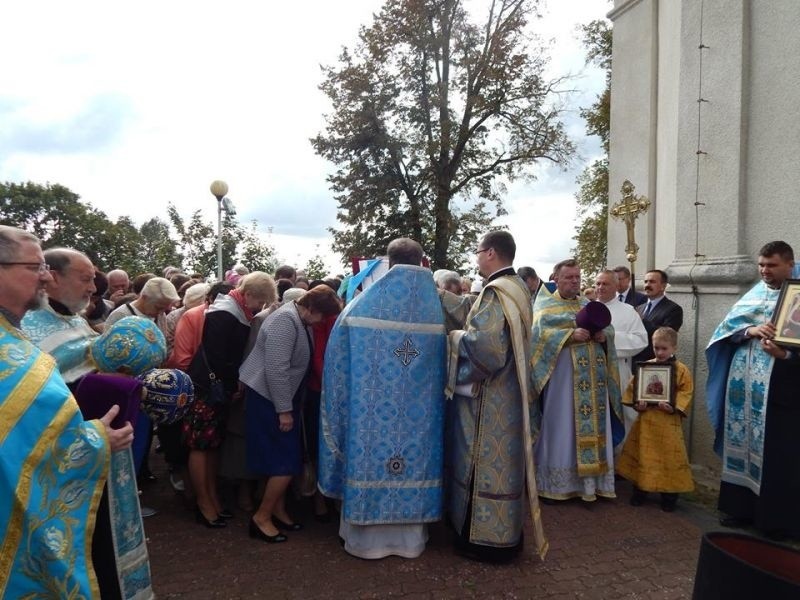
(273, 374)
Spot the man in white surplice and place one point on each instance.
(630, 336)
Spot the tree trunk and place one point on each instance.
(415, 216)
(442, 231)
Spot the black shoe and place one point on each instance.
(668, 502)
(638, 497)
(286, 526)
(225, 514)
(215, 524)
(256, 533)
(735, 521)
(547, 501)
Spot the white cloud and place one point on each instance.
(133, 106)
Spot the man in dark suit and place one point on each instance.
(626, 292)
(657, 311)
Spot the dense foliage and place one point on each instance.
(60, 218)
(591, 237)
(430, 114)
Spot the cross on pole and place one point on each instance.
(627, 210)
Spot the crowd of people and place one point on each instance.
(425, 397)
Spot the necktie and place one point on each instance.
(621, 298)
(648, 308)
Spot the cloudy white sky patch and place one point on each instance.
(133, 106)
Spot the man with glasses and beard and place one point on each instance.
(53, 464)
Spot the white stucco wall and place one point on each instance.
(633, 121)
(748, 181)
(668, 81)
(773, 124)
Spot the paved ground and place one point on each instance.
(607, 549)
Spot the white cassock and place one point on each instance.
(630, 338)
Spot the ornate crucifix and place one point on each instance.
(627, 210)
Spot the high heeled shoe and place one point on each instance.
(256, 533)
(225, 514)
(215, 524)
(286, 526)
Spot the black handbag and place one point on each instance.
(216, 389)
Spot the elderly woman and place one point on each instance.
(225, 332)
(155, 299)
(193, 295)
(274, 373)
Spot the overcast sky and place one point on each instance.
(136, 105)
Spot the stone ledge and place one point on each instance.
(720, 271)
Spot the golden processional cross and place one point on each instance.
(627, 210)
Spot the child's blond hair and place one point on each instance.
(666, 334)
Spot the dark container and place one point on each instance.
(734, 565)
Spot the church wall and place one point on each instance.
(633, 119)
(708, 284)
(773, 175)
(749, 136)
(705, 286)
(669, 53)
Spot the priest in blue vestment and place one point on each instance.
(382, 410)
(489, 440)
(53, 464)
(752, 399)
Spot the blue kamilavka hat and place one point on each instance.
(131, 346)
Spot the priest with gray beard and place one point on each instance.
(57, 326)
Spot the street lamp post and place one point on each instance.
(219, 188)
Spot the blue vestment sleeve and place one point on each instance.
(486, 343)
(718, 356)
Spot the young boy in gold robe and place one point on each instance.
(654, 456)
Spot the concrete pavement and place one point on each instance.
(606, 549)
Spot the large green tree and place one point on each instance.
(58, 217)
(197, 240)
(315, 267)
(591, 235)
(256, 254)
(157, 246)
(431, 112)
(127, 252)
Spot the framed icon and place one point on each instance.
(787, 314)
(654, 382)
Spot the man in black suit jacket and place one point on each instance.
(625, 289)
(658, 311)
